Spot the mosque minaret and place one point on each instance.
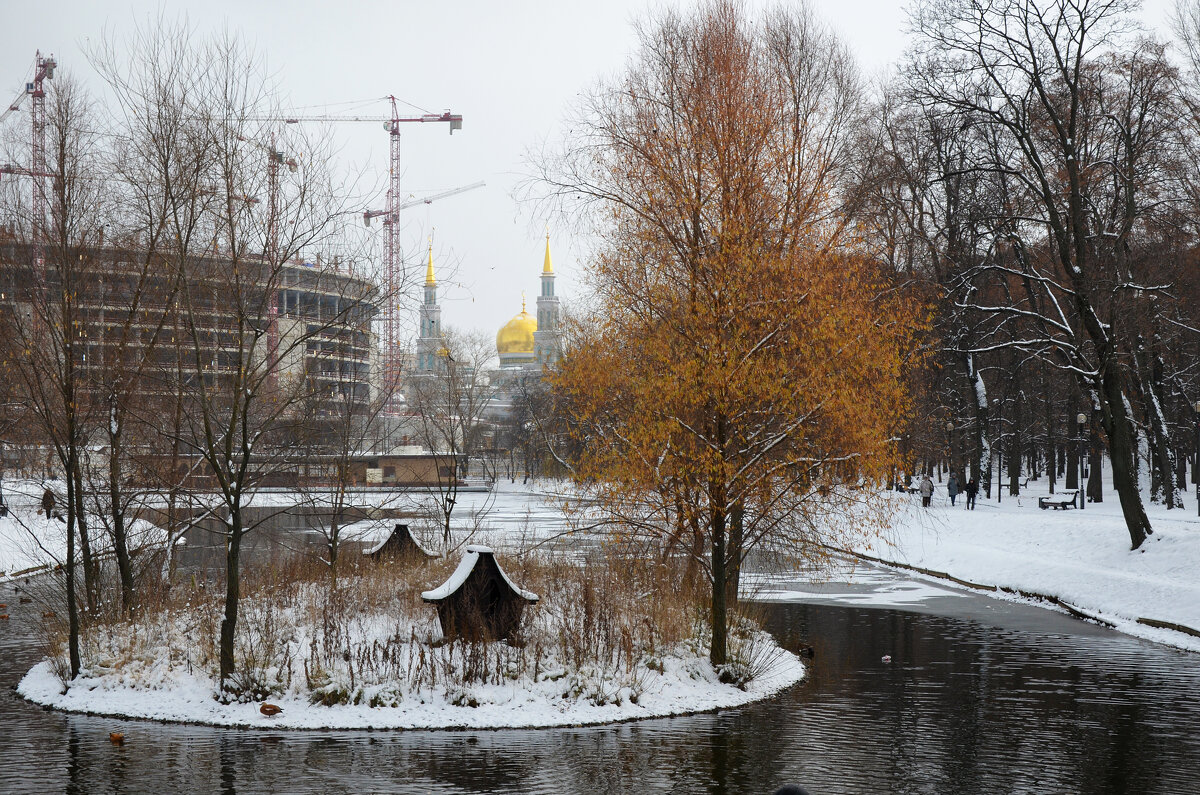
(527, 342)
(546, 343)
(429, 341)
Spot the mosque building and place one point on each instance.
(530, 343)
(526, 343)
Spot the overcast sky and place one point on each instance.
(511, 69)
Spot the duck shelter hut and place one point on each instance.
(399, 544)
(479, 601)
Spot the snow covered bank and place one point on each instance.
(511, 515)
(1080, 557)
(685, 685)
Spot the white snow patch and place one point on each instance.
(687, 684)
(1082, 557)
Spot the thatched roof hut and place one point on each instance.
(399, 544)
(479, 601)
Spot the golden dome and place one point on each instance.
(516, 336)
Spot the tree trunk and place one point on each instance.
(981, 460)
(120, 542)
(1095, 481)
(1162, 454)
(717, 652)
(1051, 446)
(232, 594)
(1073, 445)
(733, 573)
(91, 578)
(1121, 451)
(335, 528)
(72, 602)
(1014, 446)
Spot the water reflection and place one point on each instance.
(1029, 702)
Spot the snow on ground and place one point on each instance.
(30, 542)
(510, 515)
(686, 685)
(1081, 557)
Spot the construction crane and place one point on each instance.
(275, 159)
(43, 69)
(391, 215)
(430, 199)
(9, 168)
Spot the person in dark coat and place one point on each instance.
(952, 488)
(48, 502)
(926, 491)
(972, 489)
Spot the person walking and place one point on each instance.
(926, 491)
(48, 503)
(972, 489)
(952, 488)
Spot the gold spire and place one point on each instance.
(429, 280)
(547, 267)
(522, 302)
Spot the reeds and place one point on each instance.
(605, 622)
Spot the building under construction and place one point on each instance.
(162, 326)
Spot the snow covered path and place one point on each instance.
(1080, 557)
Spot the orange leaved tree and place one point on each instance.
(741, 375)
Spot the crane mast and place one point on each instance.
(391, 221)
(43, 70)
(392, 366)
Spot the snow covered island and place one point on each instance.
(370, 654)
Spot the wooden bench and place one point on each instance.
(1063, 500)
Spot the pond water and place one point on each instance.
(980, 696)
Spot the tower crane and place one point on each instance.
(43, 69)
(275, 159)
(430, 199)
(391, 214)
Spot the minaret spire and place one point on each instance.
(429, 335)
(546, 340)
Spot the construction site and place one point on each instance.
(234, 300)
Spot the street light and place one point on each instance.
(1080, 419)
(950, 440)
(1196, 462)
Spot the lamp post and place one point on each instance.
(1080, 419)
(950, 441)
(1196, 461)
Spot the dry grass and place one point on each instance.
(604, 623)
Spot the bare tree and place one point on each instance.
(348, 419)
(212, 207)
(449, 405)
(1077, 142)
(47, 322)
